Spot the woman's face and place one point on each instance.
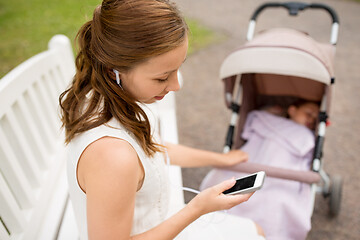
(152, 80)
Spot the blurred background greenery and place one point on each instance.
(27, 26)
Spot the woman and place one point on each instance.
(129, 54)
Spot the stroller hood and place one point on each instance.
(283, 52)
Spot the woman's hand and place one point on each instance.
(190, 157)
(231, 158)
(212, 199)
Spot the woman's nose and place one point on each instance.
(173, 84)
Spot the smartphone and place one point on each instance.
(247, 184)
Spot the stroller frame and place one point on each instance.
(320, 181)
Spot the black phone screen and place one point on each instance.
(242, 183)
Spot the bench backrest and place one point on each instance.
(34, 202)
(33, 188)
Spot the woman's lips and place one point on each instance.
(159, 97)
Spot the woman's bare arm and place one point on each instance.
(190, 157)
(209, 200)
(109, 172)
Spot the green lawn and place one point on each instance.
(26, 26)
(201, 36)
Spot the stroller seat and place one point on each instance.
(281, 204)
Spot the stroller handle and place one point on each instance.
(294, 8)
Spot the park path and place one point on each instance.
(203, 118)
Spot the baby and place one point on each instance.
(302, 112)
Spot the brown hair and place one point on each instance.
(300, 102)
(121, 35)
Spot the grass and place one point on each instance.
(27, 26)
(200, 36)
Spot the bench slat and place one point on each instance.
(48, 209)
(3, 233)
(52, 94)
(45, 101)
(24, 153)
(68, 229)
(19, 80)
(11, 214)
(64, 75)
(32, 134)
(14, 174)
(56, 80)
(42, 124)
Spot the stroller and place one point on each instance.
(277, 67)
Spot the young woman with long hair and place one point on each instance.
(129, 55)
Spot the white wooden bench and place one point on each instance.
(34, 202)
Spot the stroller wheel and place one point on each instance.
(335, 195)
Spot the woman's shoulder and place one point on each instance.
(110, 151)
(106, 156)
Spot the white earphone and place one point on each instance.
(117, 75)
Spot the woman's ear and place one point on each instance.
(111, 73)
(115, 76)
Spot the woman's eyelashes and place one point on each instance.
(162, 79)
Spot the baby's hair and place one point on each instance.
(301, 101)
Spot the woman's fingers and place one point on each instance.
(245, 156)
(225, 185)
(233, 200)
(213, 199)
(230, 200)
(233, 157)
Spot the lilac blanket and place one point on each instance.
(283, 208)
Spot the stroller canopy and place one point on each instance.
(282, 52)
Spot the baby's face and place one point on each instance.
(305, 115)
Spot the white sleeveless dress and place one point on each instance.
(152, 200)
